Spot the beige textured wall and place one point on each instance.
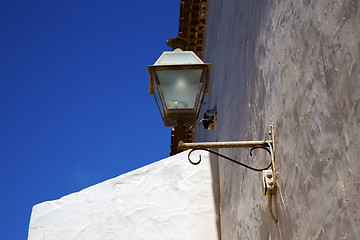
(294, 63)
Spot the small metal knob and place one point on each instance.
(269, 175)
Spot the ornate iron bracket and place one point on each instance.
(230, 159)
(269, 172)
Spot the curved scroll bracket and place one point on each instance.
(259, 147)
(269, 178)
(229, 159)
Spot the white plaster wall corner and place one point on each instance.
(169, 199)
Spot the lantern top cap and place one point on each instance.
(178, 42)
(178, 57)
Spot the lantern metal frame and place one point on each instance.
(179, 116)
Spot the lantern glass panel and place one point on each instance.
(179, 88)
(199, 102)
(159, 102)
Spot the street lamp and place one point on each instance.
(178, 80)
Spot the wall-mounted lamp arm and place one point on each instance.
(269, 175)
(234, 144)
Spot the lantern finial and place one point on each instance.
(178, 42)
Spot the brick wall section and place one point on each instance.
(188, 139)
(192, 23)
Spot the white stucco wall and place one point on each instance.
(169, 199)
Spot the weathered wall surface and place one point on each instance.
(295, 64)
(169, 199)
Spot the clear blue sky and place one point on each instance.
(74, 103)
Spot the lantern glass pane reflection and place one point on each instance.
(179, 88)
